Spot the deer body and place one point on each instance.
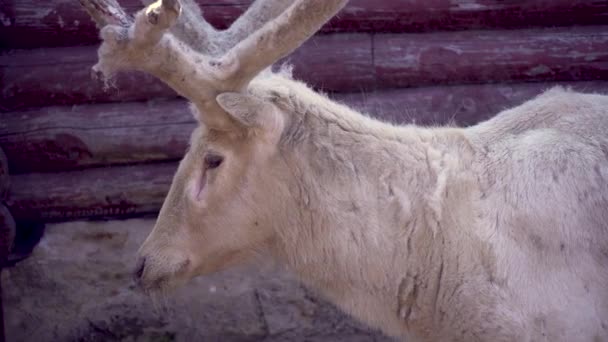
(497, 232)
(493, 232)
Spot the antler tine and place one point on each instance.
(142, 45)
(258, 14)
(106, 12)
(192, 29)
(277, 38)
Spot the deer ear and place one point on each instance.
(251, 111)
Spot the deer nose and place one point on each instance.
(139, 269)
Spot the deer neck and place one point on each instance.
(367, 209)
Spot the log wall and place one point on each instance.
(78, 148)
(336, 63)
(34, 23)
(65, 138)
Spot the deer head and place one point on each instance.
(220, 205)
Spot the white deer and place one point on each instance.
(496, 232)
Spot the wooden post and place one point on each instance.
(7, 236)
(7, 231)
(2, 337)
(7, 223)
(4, 182)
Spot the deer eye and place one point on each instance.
(213, 161)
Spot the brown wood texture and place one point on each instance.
(93, 193)
(63, 138)
(484, 56)
(340, 62)
(4, 172)
(55, 139)
(33, 23)
(2, 334)
(62, 76)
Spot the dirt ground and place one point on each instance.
(77, 287)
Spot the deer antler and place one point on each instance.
(188, 66)
(106, 12)
(195, 31)
(258, 14)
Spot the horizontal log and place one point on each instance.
(455, 57)
(4, 172)
(64, 138)
(341, 62)
(62, 76)
(33, 23)
(55, 139)
(93, 193)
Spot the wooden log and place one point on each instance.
(43, 77)
(64, 138)
(2, 334)
(419, 59)
(55, 139)
(32, 23)
(342, 62)
(4, 179)
(62, 76)
(93, 193)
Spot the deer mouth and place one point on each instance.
(152, 277)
